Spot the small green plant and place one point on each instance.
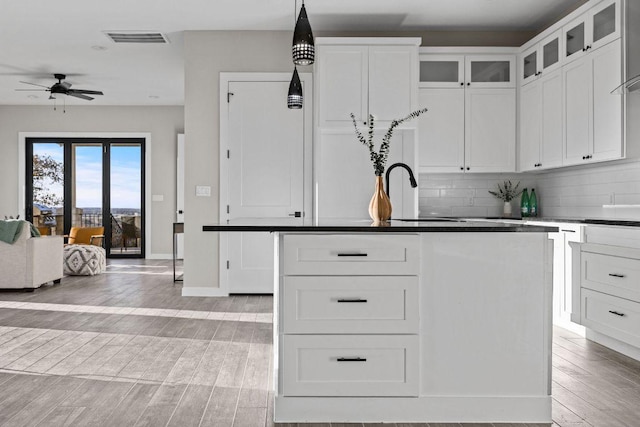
(379, 159)
(507, 191)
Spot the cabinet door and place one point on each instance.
(490, 130)
(342, 84)
(550, 50)
(607, 107)
(441, 130)
(530, 125)
(490, 71)
(441, 71)
(551, 120)
(575, 38)
(577, 82)
(605, 22)
(530, 64)
(392, 81)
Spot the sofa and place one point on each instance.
(30, 262)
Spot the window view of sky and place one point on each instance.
(125, 175)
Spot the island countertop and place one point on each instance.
(420, 225)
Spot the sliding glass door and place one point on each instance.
(88, 183)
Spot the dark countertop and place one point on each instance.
(365, 226)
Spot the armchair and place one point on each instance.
(86, 236)
(30, 261)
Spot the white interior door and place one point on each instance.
(265, 176)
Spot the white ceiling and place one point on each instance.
(42, 37)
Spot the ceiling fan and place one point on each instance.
(63, 88)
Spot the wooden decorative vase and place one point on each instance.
(380, 205)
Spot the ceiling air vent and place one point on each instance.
(136, 37)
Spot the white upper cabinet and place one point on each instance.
(593, 29)
(369, 78)
(490, 71)
(593, 116)
(446, 71)
(441, 130)
(543, 57)
(345, 70)
(471, 122)
(541, 123)
(490, 130)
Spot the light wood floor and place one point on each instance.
(125, 349)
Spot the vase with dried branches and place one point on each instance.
(380, 205)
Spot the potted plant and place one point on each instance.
(380, 205)
(507, 192)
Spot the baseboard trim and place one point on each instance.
(614, 344)
(429, 409)
(201, 291)
(159, 256)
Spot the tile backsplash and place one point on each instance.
(599, 191)
(609, 191)
(466, 195)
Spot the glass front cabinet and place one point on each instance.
(470, 71)
(593, 29)
(543, 57)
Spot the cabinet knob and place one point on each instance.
(461, 168)
(468, 168)
(461, 84)
(468, 83)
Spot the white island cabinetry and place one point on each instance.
(413, 327)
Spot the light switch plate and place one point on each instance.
(203, 191)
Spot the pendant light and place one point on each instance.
(303, 48)
(294, 97)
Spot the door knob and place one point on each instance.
(296, 214)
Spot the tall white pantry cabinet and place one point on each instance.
(363, 77)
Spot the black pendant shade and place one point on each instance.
(294, 97)
(303, 48)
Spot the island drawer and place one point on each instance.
(360, 304)
(613, 316)
(350, 365)
(329, 254)
(612, 274)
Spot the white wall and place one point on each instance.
(207, 53)
(163, 123)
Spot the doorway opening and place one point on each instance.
(89, 182)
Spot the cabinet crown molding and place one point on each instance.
(354, 41)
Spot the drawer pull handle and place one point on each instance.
(351, 359)
(616, 275)
(352, 300)
(616, 313)
(351, 254)
(568, 231)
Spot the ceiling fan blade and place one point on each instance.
(32, 90)
(79, 95)
(87, 92)
(34, 84)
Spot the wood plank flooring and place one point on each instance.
(126, 349)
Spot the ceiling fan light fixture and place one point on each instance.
(294, 97)
(303, 48)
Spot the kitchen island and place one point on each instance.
(417, 321)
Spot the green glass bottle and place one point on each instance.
(533, 203)
(524, 204)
